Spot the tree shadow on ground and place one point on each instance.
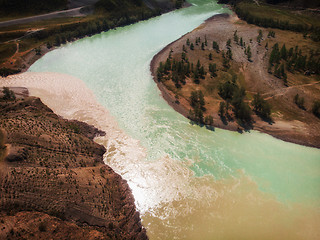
(209, 127)
(264, 118)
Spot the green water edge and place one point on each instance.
(115, 66)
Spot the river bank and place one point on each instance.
(58, 162)
(289, 122)
(23, 44)
(188, 183)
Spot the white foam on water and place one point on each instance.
(152, 182)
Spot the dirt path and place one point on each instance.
(58, 14)
(282, 91)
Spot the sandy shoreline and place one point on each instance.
(290, 131)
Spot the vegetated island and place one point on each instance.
(53, 181)
(238, 76)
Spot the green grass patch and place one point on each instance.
(7, 50)
(278, 14)
(44, 23)
(11, 35)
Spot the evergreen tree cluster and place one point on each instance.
(261, 107)
(226, 60)
(198, 73)
(213, 69)
(8, 7)
(238, 40)
(228, 44)
(119, 5)
(197, 103)
(179, 3)
(260, 36)
(70, 32)
(236, 37)
(247, 51)
(316, 108)
(292, 60)
(230, 92)
(198, 42)
(275, 23)
(242, 43)
(271, 34)
(215, 46)
(4, 72)
(175, 70)
(299, 101)
(222, 109)
(8, 95)
(229, 54)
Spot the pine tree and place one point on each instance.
(283, 52)
(8, 94)
(261, 106)
(215, 46)
(235, 37)
(229, 53)
(282, 70)
(183, 55)
(259, 38)
(249, 54)
(222, 107)
(213, 69)
(299, 101)
(228, 44)
(316, 108)
(198, 65)
(57, 41)
(184, 48)
(197, 102)
(208, 120)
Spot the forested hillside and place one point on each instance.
(120, 5)
(289, 3)
(8, 7)
(295, 15)
(297, 3)
(113, 5)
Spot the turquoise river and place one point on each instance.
(188, 182)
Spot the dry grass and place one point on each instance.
(7, 50)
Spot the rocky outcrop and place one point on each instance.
(55, 172)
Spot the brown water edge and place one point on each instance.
(231, 209)
(180, 205)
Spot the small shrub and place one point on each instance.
(42, 227)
